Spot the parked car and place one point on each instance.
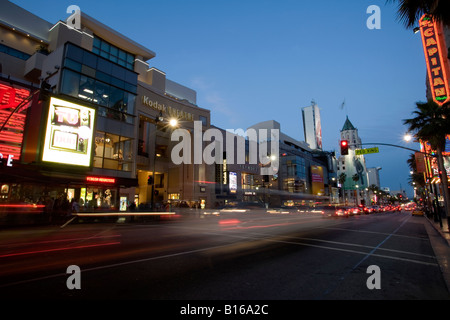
(418, 212)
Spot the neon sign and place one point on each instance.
(11, 137)
(69, 135)
(100, 179)
(436, 65)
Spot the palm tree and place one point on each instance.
(432, 124)
(410, 11)
(342, 177)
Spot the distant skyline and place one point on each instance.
(257, 60)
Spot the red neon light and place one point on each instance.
(436, 65)
(100, 179)
(205, 182)
(12, 135)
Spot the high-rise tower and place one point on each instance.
(312, 126)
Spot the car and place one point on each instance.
(418, 212)
(342, 211)
(368, 210)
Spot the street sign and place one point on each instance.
(360, 152)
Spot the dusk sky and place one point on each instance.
(256, 60)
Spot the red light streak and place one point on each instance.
(58, 240)
(22, 206)
(206, 182)
(262, 226)
(59, 249)
(229, 221)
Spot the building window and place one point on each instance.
(94, 79)
(113, 53)
(13, 52)
(113, 152)
(204, 120)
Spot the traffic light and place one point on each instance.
(344, 147)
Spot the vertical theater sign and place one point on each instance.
(438, 71)
(437, 66)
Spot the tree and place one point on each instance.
(410, 11)
(342, 177)
(431, 124)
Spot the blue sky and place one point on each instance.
(258, 60)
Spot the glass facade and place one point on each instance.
(89, 77)
(113, 89)
(113, 53)
(113, 152)
(294, 168)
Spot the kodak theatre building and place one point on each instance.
(100, 135)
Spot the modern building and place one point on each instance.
(303, 174)
(373, 176)
(99, 133)
(85, 117)
(312, 126)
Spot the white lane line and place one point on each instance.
(329, 248)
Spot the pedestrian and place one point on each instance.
(75, 208)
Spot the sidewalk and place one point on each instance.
(443, 231)
(441, 248)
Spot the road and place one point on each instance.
(234, 256)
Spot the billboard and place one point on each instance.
(318, 127)
(317, 181)
(69, 134)
(233, 182)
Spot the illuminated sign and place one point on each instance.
(172, 112)
(69, 135)
(318, 186)
(8, 161)
(360, 152)
(233, 182)
(100, 179)
(436, 64)
(11, 137)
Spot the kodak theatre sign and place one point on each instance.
(436, 61)
(172, 112)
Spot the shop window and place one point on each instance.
(113, 152)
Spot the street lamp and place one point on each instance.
(407, 137)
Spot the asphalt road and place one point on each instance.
(235, 256)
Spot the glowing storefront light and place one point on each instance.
(69, 135)
(12, 136)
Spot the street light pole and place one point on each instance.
(172, 123)
(158, 119)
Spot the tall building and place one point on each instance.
(353, 166)
(312, 126)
